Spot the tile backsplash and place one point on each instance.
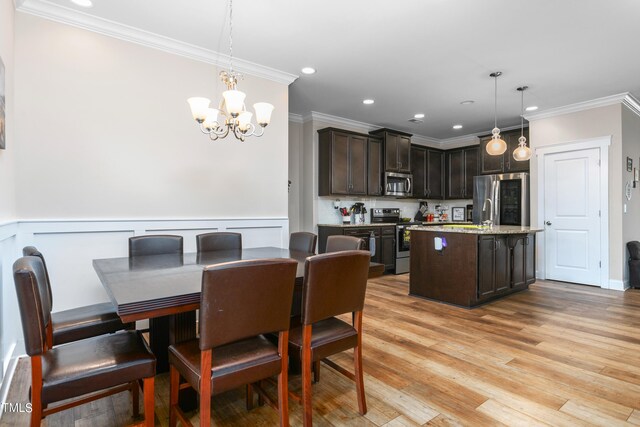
(408, 208)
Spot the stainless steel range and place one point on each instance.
(402, 239)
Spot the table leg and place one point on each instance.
(159, 341)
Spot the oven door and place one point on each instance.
(403, 241)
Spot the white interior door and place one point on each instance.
(572, 216)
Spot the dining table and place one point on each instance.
(166, 289)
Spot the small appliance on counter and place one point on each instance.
(421, 215)
(359, 212)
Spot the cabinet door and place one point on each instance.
(404, 154)
(391, 153)
(340, 164)
(358, 164)
(455, 174)
(517, 261)
(511, 164)
(489, 164)
(470, 170)
(418, 170)
(374, 175)
(502, 266)
(486, 266)
(530, 258)
(377, 257)
(388, 251)
(435, 174)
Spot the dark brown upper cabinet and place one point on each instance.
(374, 176)
(461, 167)
(342, 162)
(397, 150)
(504, 163)
(427, 166)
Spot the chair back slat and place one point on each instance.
(344, 243)
(220, 241)
(334, 283)
(303, 241)
(158, 244)
(33, 302)
(242, 299)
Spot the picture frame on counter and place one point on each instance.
(458, 214)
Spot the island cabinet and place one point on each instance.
(472, 268)
(427, 167)
(397, 150)
(342, 163)
(384, 236)
(461, 167)
(504, 163)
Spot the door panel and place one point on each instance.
(470, 170)
(340, 164)
(455, 174)
(572, 230)
(404, 154)
(486, 263)
(374, 178)
(358, 164)
(390, 153)
(418, 169)
(435, 166)
(503, 279)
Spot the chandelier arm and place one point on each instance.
(256, 134)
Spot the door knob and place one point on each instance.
(548, 222)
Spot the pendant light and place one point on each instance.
(522, 153)
(496, 146)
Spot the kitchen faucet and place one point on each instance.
(488, 222)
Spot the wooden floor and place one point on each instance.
(557, 354)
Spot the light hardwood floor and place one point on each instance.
(557, 354)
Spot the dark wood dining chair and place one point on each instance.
(344, 243)
(89, 369)
(81, 322)
(219, 241)
(155, 244)
(240, 301)
(334, 284)
(303, 241)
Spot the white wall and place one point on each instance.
(630, 148)
(105, 132)
(8, 334)
(102, 147)
(592, 123)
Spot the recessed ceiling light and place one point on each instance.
(532, 108)
(467, 102)
(83, 3)
(308, 70)
(368, 101)
(419, 116)
(457, 127)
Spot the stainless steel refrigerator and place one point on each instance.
(503, 198)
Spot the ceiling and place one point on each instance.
(414, 56)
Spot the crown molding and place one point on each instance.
(622, 98)
(339, 121)
(79, 19)
(295, 118)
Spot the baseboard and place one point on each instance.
(8, 377)
(617, 285)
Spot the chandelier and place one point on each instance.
(231, 116)
(496, 146)
(522, 153)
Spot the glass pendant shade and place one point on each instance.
(522, 153)
(244, 119)
(211, 121)
(496, 146)
(263, 113)
(234, 100)
(199, 108)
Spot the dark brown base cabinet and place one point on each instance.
(473, 268)
(385, 238)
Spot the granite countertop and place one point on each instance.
(498, 229)
(430, 225)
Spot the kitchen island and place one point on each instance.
(469, 265)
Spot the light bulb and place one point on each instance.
(211, 121)
(522, 153)
(496, 146)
